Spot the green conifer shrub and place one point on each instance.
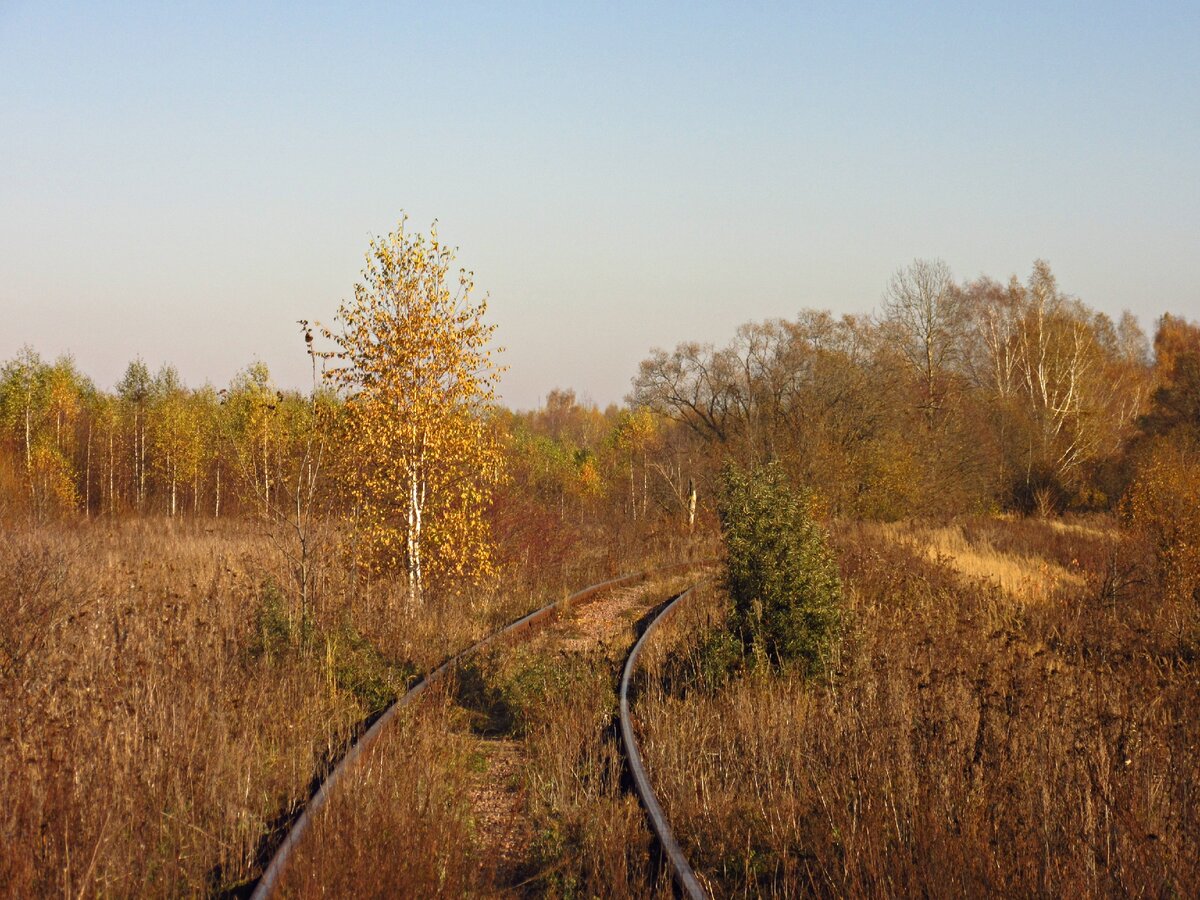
(781, 576)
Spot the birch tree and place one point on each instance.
(23, 401)
(413, 360)
(1080, 391)
(106, 420)
(634, 436)
(135, 389)
(38, 405)
(251, 403)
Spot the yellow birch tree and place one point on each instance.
(413, 360)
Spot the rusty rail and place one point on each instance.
(681, 869)
(269, 881)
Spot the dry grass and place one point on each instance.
(522, 791)
(1093, 527)
(1013, 711)
(590, 838)
(964, 745)
(164, 711)
(400, 825)
(148, 745)
(1024, 577)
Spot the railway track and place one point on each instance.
(681, 870)
(271, 878)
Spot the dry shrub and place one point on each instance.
(1163, 504)
(529, 537)
(961, 746)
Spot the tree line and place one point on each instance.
(150, 445)
(956, 396)
(155, 446)
(400, 438)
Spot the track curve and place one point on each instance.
(270, 879)
(681, 869)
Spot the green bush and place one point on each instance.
(781, 576)
(358, 666)
(355, 664)
(274, 632)
(506, 690)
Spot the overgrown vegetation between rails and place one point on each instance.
(410, 823)
(586, 836)
(167, 708)
(521, 791)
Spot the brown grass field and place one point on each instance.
(971, 741)
(1012, 711)
(164, 710)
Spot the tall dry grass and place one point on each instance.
(145, 745)
(165, 712)
(964, 744)
(409, 821)
(989, 554)
(399, 825)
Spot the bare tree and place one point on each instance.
(693, 386)
(923, 314)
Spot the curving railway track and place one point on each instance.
(681, 869)
(267, 886)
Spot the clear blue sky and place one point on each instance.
(183, 181)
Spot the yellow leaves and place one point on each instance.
(52, 476)
(416, 363)
(590, 482)
(638, 431)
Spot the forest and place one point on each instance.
(949, 644)
(955, 398)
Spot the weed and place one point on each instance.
(362, 669)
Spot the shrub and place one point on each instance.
(1163, 505)
(274, 632)
(358, 666)
(781, 576)
(352, 661)
(718, 655)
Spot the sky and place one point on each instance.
(183, 181)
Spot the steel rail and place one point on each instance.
(681, 869)
(269, 881)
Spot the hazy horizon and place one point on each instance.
(185, 185)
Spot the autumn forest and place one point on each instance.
(985, 395)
